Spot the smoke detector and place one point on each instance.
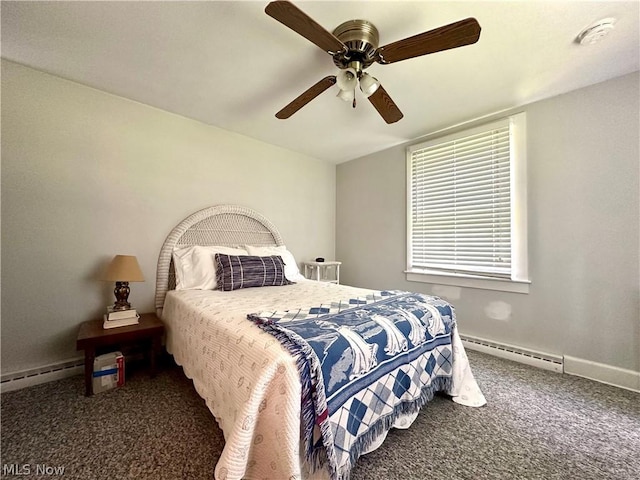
(596, 31)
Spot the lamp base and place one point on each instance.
(122, 295)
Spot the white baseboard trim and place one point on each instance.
(603, 373)
(599, 372)
(36, 376)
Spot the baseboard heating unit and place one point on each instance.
(35, 376)
(537, 359)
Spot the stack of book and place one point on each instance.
(120, 318)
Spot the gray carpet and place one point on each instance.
(537, 425)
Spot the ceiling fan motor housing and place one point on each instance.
(361, 38)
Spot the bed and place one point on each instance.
(263, 384)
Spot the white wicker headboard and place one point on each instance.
(218, 225)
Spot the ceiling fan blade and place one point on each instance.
(298, 21)
(306, 97)
(386, 107)
(457, 34)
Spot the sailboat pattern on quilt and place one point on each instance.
(363, 362)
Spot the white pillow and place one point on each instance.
(290, 266)
(195, 266)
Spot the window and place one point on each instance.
(466, 208)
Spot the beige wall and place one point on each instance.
(583, 201)
(86, 175)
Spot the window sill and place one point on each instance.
(469, 281)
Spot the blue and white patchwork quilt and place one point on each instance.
(363, 362)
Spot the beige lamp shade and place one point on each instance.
(124, 268)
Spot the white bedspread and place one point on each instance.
(250, 383)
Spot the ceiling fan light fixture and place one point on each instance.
(368, 84)
(347, 95)
(347, 79)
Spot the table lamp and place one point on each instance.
(122, 270)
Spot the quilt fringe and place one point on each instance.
(314, 403)
(438, 384)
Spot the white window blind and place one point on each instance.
(460, 218)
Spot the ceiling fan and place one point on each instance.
(354, 47)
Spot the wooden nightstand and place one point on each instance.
(92, 336)
(323, 271)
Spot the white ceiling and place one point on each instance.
(228, 64)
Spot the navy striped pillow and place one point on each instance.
(244, 271)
